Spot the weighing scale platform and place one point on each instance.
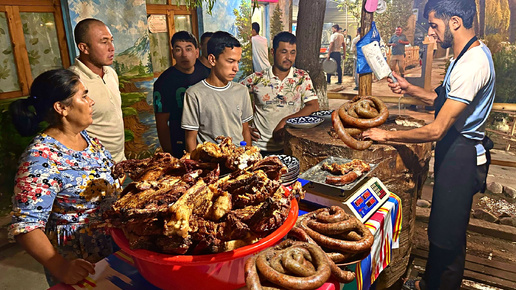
(361, 198)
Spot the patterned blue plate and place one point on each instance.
(304, 122)
(326, 114)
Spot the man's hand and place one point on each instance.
(279, 131)
(399, 87)
(376, 134)
(278, 134)
(72, 272)
(255, 134)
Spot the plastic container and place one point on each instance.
(215, 271)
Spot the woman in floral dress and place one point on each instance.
(64, 180)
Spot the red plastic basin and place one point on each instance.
(215, 271)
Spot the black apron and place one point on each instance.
(457, 179)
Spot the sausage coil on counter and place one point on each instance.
(291, 265)
(340, 235)
(358, 114)
(345, 173)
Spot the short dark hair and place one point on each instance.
(336, 26)
(184, 36)
(52, 86)
(446, 9)
(283, 36)
(219, 41)
(82, 28)
(256, 27)
(205, 35)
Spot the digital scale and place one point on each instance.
(362, 198)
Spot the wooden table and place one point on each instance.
(402, 167)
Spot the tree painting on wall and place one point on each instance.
(243, 23)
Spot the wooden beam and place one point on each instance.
(19, 48)
(37, 8)
(492, 273)
(428, 63)
(10, 95)
(195, 26)
(61, 36)
(171, 30)
(162, 9)
(27, 2)
(504, 106)
(505, 163)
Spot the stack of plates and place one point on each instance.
(292, 164)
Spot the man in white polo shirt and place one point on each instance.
(95, 44)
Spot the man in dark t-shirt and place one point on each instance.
(169, 90)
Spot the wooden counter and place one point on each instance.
(402, 167)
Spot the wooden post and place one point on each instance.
(365, 81)
(428, 63)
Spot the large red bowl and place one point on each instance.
(214, 271)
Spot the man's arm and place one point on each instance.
(330, 49)
(191, 140)
(163, 131)
(246, 133)
(405, 41)
(390, 42)
(404, 87)
(434, 131)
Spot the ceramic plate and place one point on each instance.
(326, 114)
(290, 161)
(305, 122)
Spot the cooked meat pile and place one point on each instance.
(181, 206)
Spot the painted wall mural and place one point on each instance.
(127, 21)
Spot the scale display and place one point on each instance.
(362, 202)
(368, 199)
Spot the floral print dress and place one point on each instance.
(62, 191)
